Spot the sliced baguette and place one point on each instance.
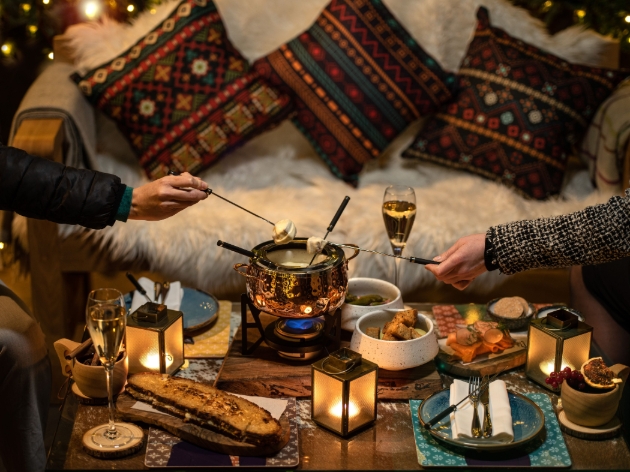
(207, 406)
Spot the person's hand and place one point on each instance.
(462, 262)
(164, 197)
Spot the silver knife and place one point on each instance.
(447, 411)
(485, 401)
(165, 288)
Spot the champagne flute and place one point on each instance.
(399, 213)
(106, 317)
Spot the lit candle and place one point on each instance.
(548, 366)
(152, 361)
(337, 410)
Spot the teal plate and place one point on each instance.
(200, 310)
(528, 421)
(548, 450)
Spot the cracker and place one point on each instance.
(508, 307)
(407, 317)
(524, 303)
(373, 332)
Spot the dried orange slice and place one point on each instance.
(597, 374)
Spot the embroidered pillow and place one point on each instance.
(517, 113)
(358, 79)
(183, 95)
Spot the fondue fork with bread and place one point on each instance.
(315, 245)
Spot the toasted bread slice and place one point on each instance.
(207, 406)
(373, 332)
(407, 317)
(400, 331)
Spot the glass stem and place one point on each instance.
(397, 252)
(109, 372)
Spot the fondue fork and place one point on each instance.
(332, 224)
(416, 260)
(210, 192)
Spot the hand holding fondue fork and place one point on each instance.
(284, 231)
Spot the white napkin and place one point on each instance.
(500, 414)
(173, 297)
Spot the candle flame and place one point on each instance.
(152, 361)
(337, 410)
(548, 366)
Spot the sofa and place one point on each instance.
(279, 175)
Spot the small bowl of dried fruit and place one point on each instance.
(513, 313)
(366, 295)
(590, 396)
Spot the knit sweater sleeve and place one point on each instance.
(597, 234)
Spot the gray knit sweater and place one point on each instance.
(597, 234)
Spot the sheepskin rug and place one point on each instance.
(278, 175)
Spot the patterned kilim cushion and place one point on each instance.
(517, 113)
(358, 79)
(183, 95)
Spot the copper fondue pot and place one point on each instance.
(281, 282)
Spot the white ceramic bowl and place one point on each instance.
(394, 355)
(366, 286)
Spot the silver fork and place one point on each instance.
(473, 390)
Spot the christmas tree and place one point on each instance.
(24, 23)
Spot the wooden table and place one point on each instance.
(388, 445)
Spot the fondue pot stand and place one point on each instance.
(281, 282)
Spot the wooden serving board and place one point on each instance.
(202, 437)
(265, 373)
(447, 363)
(485, 364)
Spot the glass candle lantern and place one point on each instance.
(557, 341)
(344, 392)
(155, 339)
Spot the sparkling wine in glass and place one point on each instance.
(106, 317)
(399, 213)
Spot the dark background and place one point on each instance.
(15, 79)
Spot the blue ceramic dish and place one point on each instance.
(528, 422)
(200, 310)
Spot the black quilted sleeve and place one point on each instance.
(597, 234)
(43, 189)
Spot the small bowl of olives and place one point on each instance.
(366, 295)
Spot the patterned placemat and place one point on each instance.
(166, 450)
(551, 453)
(214, 342)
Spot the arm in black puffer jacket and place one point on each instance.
(43, 189)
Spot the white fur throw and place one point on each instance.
(279, 176)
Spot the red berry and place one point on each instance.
(548, 380)
(554, 384)
(553, 375)
(560, 380)
(580, 378)
(567, 369)
(582, 386)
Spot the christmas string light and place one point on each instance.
(38, 21)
